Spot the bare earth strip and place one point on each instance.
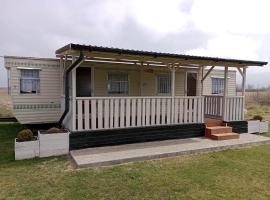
(5, 103)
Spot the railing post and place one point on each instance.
(172, 93)
(203, 100)
(225, 92)
(74, 99)
(244, 92)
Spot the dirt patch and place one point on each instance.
(254, 109)
(5, 103)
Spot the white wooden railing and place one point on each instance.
(94, 113)
(213, 106)
(234, 107)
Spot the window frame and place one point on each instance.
(157, 85)
(28, 78)
(218, 89)
(109, 82)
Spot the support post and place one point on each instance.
(173, 82)
(244, 91)
(225, 94)
(244, 82)
(62, 69)
(92, 81)
(208, 72)
(172, 92)
(141, 75)
(73, 80)
(199, 83)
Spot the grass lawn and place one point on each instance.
(231, 174)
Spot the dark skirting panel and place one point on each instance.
(85, 139)
(239, 126)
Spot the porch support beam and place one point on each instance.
(74, 93)
(225, 92)
(244, 90)
(199, 91)
(92, 81)
(141, 78)
(173, 82)
(240, 71)
(202, 88)
(244, 82)
(172, 91)
(208, 73)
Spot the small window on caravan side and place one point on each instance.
(29, 81)
(118, 83)
(163, 84)
(217, 85)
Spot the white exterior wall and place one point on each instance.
(43, 107)
(217, 73)
(148, 77)
(27, 109)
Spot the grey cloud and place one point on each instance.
(38, 28)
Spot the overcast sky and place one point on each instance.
(221, 28)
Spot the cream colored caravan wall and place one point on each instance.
(35, 108)
(219, 73)
(148, 75)
(149, 78)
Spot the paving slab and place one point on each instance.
(110, 155)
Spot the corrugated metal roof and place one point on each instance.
(90, 48)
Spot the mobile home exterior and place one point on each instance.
(106, 93)
(46, 106)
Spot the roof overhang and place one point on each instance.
(135, 56)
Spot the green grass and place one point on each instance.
(231, 174)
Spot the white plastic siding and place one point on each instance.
(36, 108)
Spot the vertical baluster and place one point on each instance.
(86, 114)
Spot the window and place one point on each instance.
(163, 84)
(217, 85)
(29, 83)
(118, 83)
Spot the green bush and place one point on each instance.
(25, 135)
(258, 117)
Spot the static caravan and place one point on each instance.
(111, 96)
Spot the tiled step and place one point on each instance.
(217, 130)
(225, 136)
(214, 122)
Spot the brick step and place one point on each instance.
(217, 130)
(225, 136)
(214, 122)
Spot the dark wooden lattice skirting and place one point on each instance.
(79, 140)
(239, 126)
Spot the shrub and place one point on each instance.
(258, 117)
(25, 135)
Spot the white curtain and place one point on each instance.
(29, 81)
